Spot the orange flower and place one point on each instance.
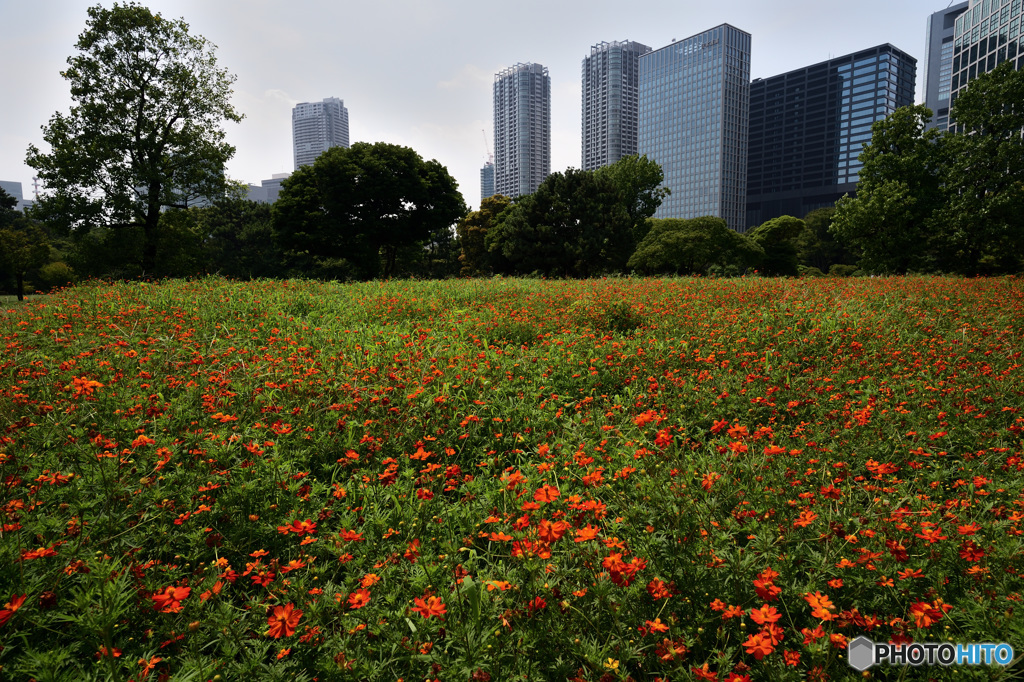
(546, 493)
(147, 666)
(10, 607)
(821, 605)
(432, 606)
(358, 599)
(369, 580)
(283, 621)
(765, 614)
(169, 601)
(759, 645)
(656, 625)
(586, 533)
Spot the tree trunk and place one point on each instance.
(20, 279)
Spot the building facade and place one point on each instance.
(316, 127)
(986, 35)
(808, 127)
(611, 90)
(693, 116)
(522, 129)
(487, 180)
(938, 62)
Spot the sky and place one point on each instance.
(420, 73)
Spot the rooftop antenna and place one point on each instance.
(35, 187)
(487, 148)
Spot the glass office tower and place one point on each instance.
(694, 101)
(986, 35)
(938, 62)
(809, 126)
(610, 89)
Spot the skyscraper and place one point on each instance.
(808, 126)
(487, 180)
(611, 87)
(694, 101)
(938, 62)
(316, 127)
(986, 35)
(522, 129)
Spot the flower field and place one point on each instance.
(684, 479)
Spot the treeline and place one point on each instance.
(953, 202)
(927, 201)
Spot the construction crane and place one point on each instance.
(487, 148)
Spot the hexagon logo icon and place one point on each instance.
(860, 653)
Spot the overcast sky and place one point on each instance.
(419, 72)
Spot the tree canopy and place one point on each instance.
(353, 210)
(144, 131)
(690, 247)
(578, 223)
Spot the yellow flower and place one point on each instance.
(612, 664)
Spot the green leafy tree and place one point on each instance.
(239, 239)
(891, 223)
(983, 216)
(816, 246)
(574, 225)
(640, 191)
(144, 132)
(690, 247)
(354, 209)
(24, 246)
(472, 234)
(778, 238)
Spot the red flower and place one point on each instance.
(169, 601)
(283, 621)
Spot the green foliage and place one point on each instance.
(24, 246)
(56, 274)
(691, 247)
(816, 246)
(578, 223)
(983, 215)
(357, 207)
(638, 180)
(574, 225)
(778, 238)
(144, 132)
(891, 222)
(472, 233)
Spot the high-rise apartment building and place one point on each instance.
(808, 127)
(522, 129)
(487, 180)
(316, 127)
(611, 89)
(986, 35)
(693, 114)
(938, 62)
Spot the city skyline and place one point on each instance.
(439, 107)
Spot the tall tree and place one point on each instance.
(638, 180)
(144, 131)
(983, 217)
(472, 233)
(891, 222)
(356, 207)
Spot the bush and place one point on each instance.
(54, 275)
(839, 270)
